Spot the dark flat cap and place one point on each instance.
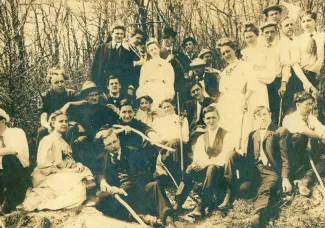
(272, 7)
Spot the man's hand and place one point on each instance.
(198, 166)
(123, 177)
(80, 139)
(170, 57)
(127, 129)
(286, 185)
(115, 190)
(114, 108)
(282, 89)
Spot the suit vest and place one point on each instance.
(216, 148)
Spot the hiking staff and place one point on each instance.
(132, 212)
(181, 136)
(318, 177)
(280, 113)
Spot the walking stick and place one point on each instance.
(127, 206)
(167, 171)
(181, 137)
(280, 112)
(241, 130)
(318, 177)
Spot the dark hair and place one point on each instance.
(136, 31)
(112, 77)
(194, 84)
(259, 108)
(2, 118)
(310, 13)
(302, 96)
(126, 102)
(146, 97)
(226, 42)
(210, 108)
(167, 100)
(119, 27)
(250, 27)
(188, 39)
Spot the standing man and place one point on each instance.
(307, 140)
(125, 173)
(206, 55)
(267, 163)
(113, 58)
(14, 163)
(273, 13)
(189, 46)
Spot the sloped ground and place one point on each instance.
(296, 211)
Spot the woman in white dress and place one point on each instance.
(236, 87)
(157, 76)
(58, 181)
(254, 54)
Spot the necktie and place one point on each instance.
(2, 142)
(312, 46)
(114, 158)
(262, 156)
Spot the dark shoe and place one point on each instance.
(226, 202)
(170, 222)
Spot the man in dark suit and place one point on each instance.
(189, 45)
(113, 58)
(123, 171)
(267, 164)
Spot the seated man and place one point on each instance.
(91, 116)
(171, 130)
(14, 163)
(212, 154)
(307, 140)
(125, 172)
(266, 163)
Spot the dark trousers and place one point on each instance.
(15, 180)
(266, 181)
(274, 98)
(143, 198)
(213, 187)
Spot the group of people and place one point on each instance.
(148, 120)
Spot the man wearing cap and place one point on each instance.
(273, 13)
(113, 58)
(14, 163)
(307, 140)
(206, 55)
(91, 116)
(177, 59)
(209, 80)
(189, 45)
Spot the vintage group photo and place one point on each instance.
(162, 113)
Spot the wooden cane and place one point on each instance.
(167, 171)
(280, 113)
(241, 130)
(127, 206)
(181, 137)
(318, 177)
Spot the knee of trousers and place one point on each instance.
(212, 169)
(152, 186)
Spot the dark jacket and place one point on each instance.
(276, 148)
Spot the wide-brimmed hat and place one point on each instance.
(203, 52)
(87, 87)
(272, 7)
(197, 63)
(168, 31)
(4, 115)
(268, 24)
(188, 39)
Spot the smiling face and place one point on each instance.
(126, 113)
(136, 39)
(117, 35)
(58, 83)
(92, 98)
(153, 50)
(208, 58)
(60, 123)
(144, 105)
(250, 38)
(228, 53)
(270, 33)
(189, 46)
(308, 24)
(168, 108)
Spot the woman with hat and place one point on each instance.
(157, 76)
(236, 87)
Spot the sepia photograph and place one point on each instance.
(162, 113)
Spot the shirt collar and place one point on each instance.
(111, 95)
(214, 132)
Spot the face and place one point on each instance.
(167, 41)
(308, 24)
(263, 117)
(208, 58)
(189, 46)
(60, 124)
(92, 98)
(126, 113)
(250, 38)
(112, 143)
(228, 53)
(58, 83)
(211, 119)
(197, 92)
(274, 15)
(153, 50)
(118, 35)
(144, 105)
(168, 108)
(136, 40)
(305, 107)
(287, 27)
(269, 34)
(114, 85)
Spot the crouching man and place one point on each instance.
(211, 156)
(267, 164)
(124, 173)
